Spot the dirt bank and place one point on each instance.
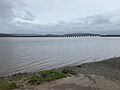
(102, 75)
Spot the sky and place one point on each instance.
(52, 11)
(37, 16)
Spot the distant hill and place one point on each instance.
(56, 35)
(47, 35)
(5, 35)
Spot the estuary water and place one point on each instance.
(29, 54)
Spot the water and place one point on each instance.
(31, 54)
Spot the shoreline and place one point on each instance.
(106, 69)
(58, 68)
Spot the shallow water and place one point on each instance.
(32, 54)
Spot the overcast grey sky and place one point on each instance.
(34, 15)
(51, 11)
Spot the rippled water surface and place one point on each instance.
(32, 54)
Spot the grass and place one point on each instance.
(45, 76)
(8, 86)
(49, 75)
(68, 71)
(6, 83)
(34, 80)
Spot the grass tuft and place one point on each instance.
(68, 71)
(34, 80)
(51, 75)
(7, 86)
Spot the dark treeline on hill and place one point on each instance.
(48, 35)
(55, 35)
(5, 35)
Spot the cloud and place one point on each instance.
(21, 11)
(12, 12)
(15, 17)
(99, 19)
(6, 7)
(12, 9)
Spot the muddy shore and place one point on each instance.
(102, 75)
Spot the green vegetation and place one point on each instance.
(7, 86)
(46, 76)
(6, 83)
(68, 71)
(51, 75)
(34, 80)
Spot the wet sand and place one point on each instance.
(102, 75)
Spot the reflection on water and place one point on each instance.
(32, 54)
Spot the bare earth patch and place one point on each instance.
(81, 81)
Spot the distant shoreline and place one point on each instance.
(73, 36)
(60, 35)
